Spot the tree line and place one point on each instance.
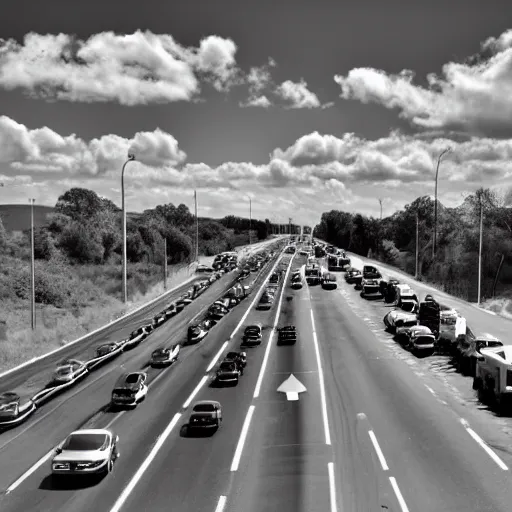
(454, 267)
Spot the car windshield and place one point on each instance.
(159, 352)
(204, 408)
(227, 365)
(64, 370)
(133, 378)
(85, 442)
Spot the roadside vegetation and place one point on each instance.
(455, 267)
(78, 279)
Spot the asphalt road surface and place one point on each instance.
(366, 435)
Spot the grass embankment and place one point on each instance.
(72, 300)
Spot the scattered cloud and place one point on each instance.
(131, 69)
(475, 95)
(257, 101)
(298, 95)
(313, 172)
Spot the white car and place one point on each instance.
(399, 318)
(86, 452)
(69, 370)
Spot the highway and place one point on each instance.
(366, 435)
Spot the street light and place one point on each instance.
(447, 150)
(131, 157)
(250, 219)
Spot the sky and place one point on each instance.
(302, 106)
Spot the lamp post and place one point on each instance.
(32, 268)
(435, 202)
(250, 219)
(131, 157)
(197, 226)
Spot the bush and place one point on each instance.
(389, 253)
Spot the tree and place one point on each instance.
(79, 204)
(81, 244)
(44, 247)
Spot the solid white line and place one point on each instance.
(216, 358)
(241, 441)
(382, 459)
(221, 504)
(27, 473)
(332, 486)
(399, 496)
(202, 382)
(259, 382)
(322, 385)
(484, 445)
(144, 466)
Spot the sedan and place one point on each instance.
(69, 370)
(165, 356)
(205, 414)
(12, 411)
(86, 452)
(130, 389)
(228, 373)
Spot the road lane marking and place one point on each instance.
(259, 382)
(332, 487)
(376, 446)
(288, 373)
(431, 390)
(27, 473)
(243, 437)
(217, 356)
(144, 466)
(221, 504)
(322, 383)
(202, 382)
(398, 494)
(484, 445)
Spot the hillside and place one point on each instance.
(454, 268)
(78, 282)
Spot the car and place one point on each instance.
(418, 339)
(86, 452)
(398, 318)
(252, 335)
(170, 310)
(371, 272)
(137, 336)
(296, 283)
(228, 373)
(266, 301)
(217, 312)
(182, 302)
(470, 350)
(353, 275)
(239, 358)
(370, 288)
(69, 370)
(203, 268)
(198, 332)
(274, 278)
(287, 335)
(406, 299)
(130, 389)
(159, 319)
(206, 414)
(12, 411)
(165, 356)
(329, 282)
(388, 289)
(108, 349)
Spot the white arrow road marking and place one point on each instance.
(292, 387)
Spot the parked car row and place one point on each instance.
(427, 327)
(14, 410)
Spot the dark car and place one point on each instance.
(329, 282)
(353, 275)
(197, 332)
(228, 373)
(107, 349)
(137, 336)
(266, 301)
(239, 358)
(371, 272)
(388, 290)
(252, 335)
(205, 414)
(165, 356)
(130, 389)
(287, 335)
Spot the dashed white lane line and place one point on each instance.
(322, 383)
(266, 356)
(221, 504)
(217, 356)
(431, 390)
(243, 437)
(33, 469)
(484, 445)
(332, 487)
(144, 466)
(202, 382)
(380, 455)
(398, 494)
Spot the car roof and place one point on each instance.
(207, 402)
(92, 431)
(122, 378)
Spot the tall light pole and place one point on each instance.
(131, 157)
(197, 227)
(290, 226)
(32, 268)
(250, 219)
(417, 244)
(435, 201)
(480, 249)
(380, 202)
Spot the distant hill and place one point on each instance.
(16, 217)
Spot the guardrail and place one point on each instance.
(53, 389)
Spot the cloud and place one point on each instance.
(475, 95)
(298, 95)
(257, 101)
(131, 69)
(317, 172)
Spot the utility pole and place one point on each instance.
(380, 202)
(417, 244)
(250, 219)
(435, 202)
(197, 227)
(480, 250)
(32, 268)
(290, 226)
(165, 263)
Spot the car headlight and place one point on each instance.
(90, 465)
(60, 465)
